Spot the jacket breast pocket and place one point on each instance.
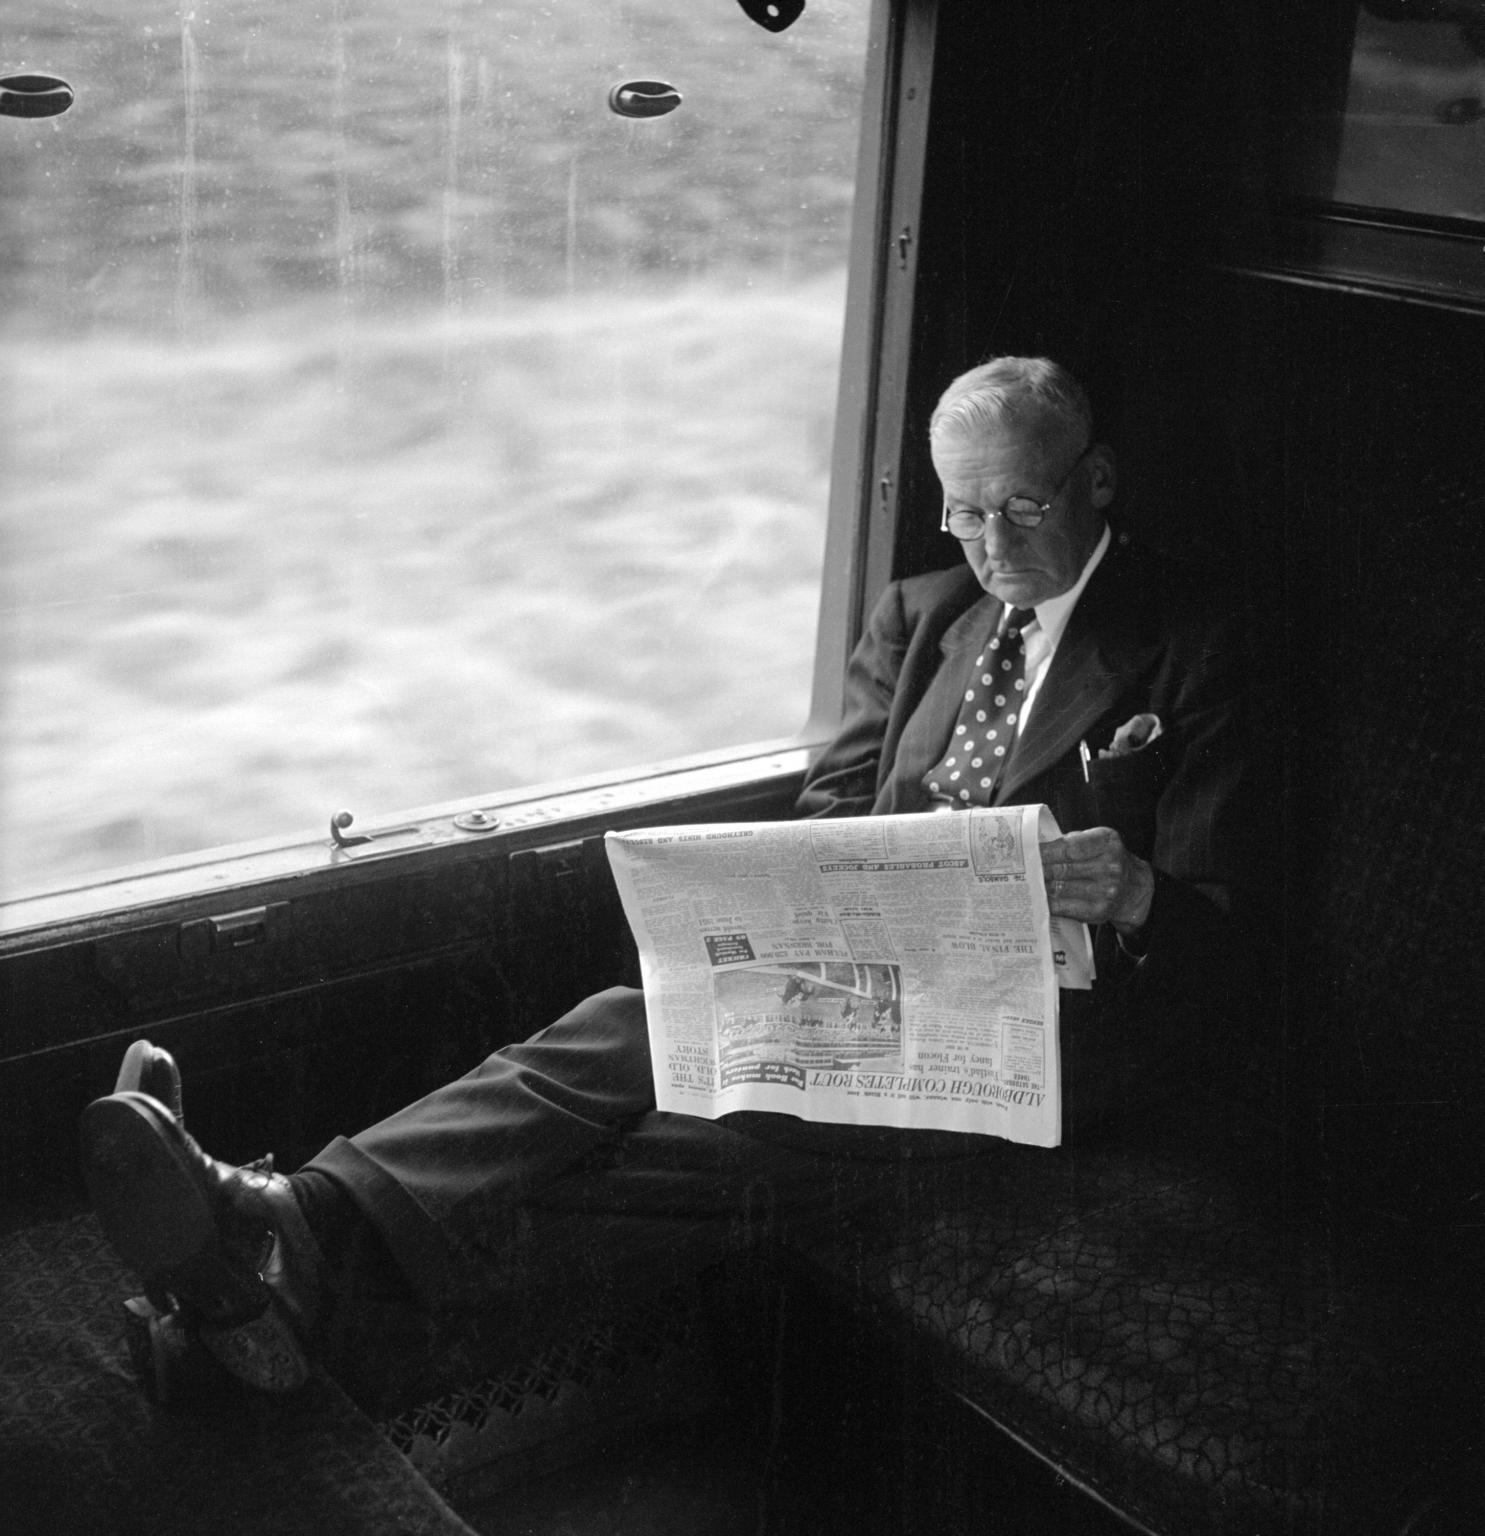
(1126, 790)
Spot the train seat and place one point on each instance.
(1174, 1340)
(1223, 1332)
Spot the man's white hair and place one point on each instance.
(1013, 392)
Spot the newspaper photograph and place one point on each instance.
(880, 970)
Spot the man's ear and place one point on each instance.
(1103, 475)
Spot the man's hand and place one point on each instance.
(1093, 878)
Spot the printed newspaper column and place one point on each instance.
(882, 970)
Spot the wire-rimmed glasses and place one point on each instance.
(968, 523)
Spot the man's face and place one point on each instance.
(1026, 566)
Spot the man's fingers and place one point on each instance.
(1104, 882)
(1087, 874)
(1091, 893)
(1093, 912)
(1083, 859)
(1092, 871)
(1095, 843)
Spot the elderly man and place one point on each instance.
(1058, 664)
(1125, 706)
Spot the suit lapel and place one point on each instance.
(933, 721)
(1099, 657)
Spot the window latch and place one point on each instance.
(338, 823)
(389, 838)
(466, 821)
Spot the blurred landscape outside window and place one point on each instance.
(387, 421)
(1413, 137)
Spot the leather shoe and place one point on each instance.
(229, 1247)
(151, 1069)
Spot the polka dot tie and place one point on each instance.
(986, 730)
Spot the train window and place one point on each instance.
(1383, 188)
(1413, 133)
(399, 411)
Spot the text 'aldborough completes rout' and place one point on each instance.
(929, 1087)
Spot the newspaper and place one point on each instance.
(878, 970)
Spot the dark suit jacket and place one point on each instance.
(1146, 635)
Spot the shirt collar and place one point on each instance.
(1053, 614)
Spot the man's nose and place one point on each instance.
(1000, 536)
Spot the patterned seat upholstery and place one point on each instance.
(1166, 1335)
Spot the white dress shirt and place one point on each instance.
(1041, 638)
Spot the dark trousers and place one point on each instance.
(549, 1169)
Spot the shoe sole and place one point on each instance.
(151, 1207)
(155, 1214)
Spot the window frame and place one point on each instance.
(860, 537)
(1318, 241)
(1378, 251)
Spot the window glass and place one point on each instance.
(389, 421)
(1413, 137)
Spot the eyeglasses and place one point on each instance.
(969, 524)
